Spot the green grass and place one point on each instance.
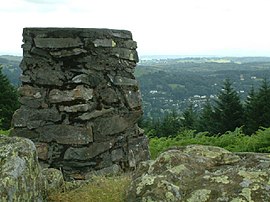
(101, 189)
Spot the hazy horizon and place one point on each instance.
(175, 27)
(168, 56)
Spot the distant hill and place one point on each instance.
(11, 68)
(174, 84)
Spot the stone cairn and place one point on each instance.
(80, 102)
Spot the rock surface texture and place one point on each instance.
(202, 174)
(20, 174)
(80, 100)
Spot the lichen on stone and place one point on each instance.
(196, 174)
(201, 195)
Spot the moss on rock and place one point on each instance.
(198, 173)
(20, 177)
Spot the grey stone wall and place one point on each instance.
(80, 99)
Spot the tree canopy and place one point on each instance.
(8, 101)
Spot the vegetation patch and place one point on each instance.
(99, 189)
(235, 141)
(4, 132)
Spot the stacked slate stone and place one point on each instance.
(80, 102)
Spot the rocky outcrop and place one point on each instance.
(80, 100)
(20, 176)
(202, 174)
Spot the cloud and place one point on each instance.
(47, 1)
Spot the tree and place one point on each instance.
(251, 113)
(169, 126)
(257, 109)
(263, 102)
(189, 120)
(228, 112)
(206, 119)
(8, 101)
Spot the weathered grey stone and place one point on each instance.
(24, 132)
(20, 177)
(39, 52)
(95, 114)
(119, 80)
(107, 171)
(133, 98)
(42, 150)
(109, 95)
(202, 173)
(90, 78)
(65, 134)
(82, 78)
(34, 118)
(77, 108)
(32, 97)
(79, 93)
(25, 79)
(126, 54)
(54, 178)
(67, 53)
(57, 42)
(30, 91)
(117, 155)
(121, 34)
(33, 103)
(105, 160)
(137, 150)
(130, 44)
(114, 124)
(86, 153)
(47, 76)
(104, 43)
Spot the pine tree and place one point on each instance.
(228, 110)
(206, 119)
(257, 109)
(251, 113)
(170, 124)
(189, 120)
(263, 102)
(8, 101)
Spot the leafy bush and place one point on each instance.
(4, 132)
(261, 140)
(235, 141)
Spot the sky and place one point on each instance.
(171, 27)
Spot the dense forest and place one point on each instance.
(226, 114)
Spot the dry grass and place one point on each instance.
(101, 189)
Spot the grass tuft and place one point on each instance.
(100, 189)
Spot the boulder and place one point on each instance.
(202, 173)
(20, 177)
(54, 179)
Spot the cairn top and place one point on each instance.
(79, 32)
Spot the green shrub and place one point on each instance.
(4, 132)
(261, 140)
(235, 141)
